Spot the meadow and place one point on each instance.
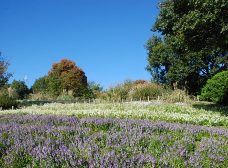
(114, 135)
(174, 117)
(197, 114)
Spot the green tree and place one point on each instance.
(40, 85)
(54, 86)
(94, 89)
(4, 75)
(20, 88)
(194, 43)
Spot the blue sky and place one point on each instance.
(105, 38)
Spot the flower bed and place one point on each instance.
(61, 141)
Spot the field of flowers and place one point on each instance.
(154, 112)
(114, 135)
(67, 141)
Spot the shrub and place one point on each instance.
(20, 89)
(144, 90)
(216, 89)
(117, 93)
(66, 97)
(40, 96)
(7, 102)
(40, 85)
(135, 90)
(120, 92)
(4, 90)
(176, 96)
(94, 90)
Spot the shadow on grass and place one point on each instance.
(212, 107)
(42, 102)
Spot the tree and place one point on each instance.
(40, 85)
(193, 46)
(4, 75)
(54, 86)
(94, 89)
(20, 88)
(64, 77)
(70, 77)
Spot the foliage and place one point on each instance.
(141, 91)
(135, 90)
(7, 102)
(40, 85)
(54, 86)
(120, 91)
(4, 90)
(66, 97)
(40, 96)
(69, 76)
(176, 96)
(4, 75)
(60, 141)
(194, 43)
(94, 90)
(64, 77)
(20, 88)
(216, 89)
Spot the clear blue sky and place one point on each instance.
(105, 38)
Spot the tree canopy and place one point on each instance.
(64, 76)
(4, 75)
(69, 76)
(40, 85)
(20, 88)
(193, 44)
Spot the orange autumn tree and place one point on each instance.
(66, 76)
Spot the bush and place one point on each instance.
(40, 96)
(119, 92)
(176, 96)
(216, 89)
(4, 90)
(142, 91)
(7, 102)
(20, 89)
(66, 97)
(135, 90)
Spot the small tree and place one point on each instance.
(6, 102)
(40, 85)
(4, 75)
(70, 77)
(94, 90)
(63, 78)
(20, 88)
